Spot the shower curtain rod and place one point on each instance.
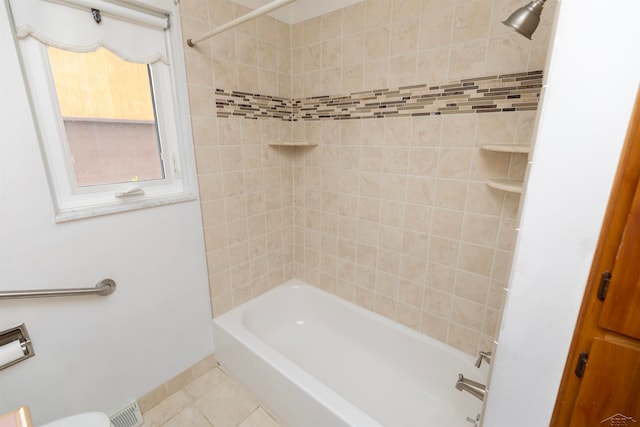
(276, 4)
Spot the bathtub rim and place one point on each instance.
(232, 323)
(298, 283)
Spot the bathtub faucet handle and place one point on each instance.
(475, 422)
(486, 355)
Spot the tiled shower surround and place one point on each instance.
(391, 209)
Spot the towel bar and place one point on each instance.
(102, 288)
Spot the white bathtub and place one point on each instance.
(314, 359)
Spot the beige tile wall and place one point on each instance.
(394, 213)
(383, 43)
(245, 185)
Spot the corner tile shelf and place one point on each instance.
(292, 143)
(507, 148)
(510, 185)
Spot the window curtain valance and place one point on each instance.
(132, 34)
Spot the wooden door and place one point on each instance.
(621, 308)
(610, 390)
(601, 381)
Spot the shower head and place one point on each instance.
(525, 20)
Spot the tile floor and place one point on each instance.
(211, 399)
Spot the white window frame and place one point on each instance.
(173, 119)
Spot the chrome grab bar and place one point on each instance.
(102, 288)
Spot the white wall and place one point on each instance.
(92, 353)
(592, 82)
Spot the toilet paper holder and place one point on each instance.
(20, 334)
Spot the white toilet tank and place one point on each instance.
(86, 419)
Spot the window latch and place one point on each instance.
(134, 190)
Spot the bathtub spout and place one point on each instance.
(474, 388)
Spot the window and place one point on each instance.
(106, 96)
(109, 119)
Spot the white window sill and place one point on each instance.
(73, 214)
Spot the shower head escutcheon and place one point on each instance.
(525, 20)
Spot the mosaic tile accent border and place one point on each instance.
(250, 106)
(499, 93)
